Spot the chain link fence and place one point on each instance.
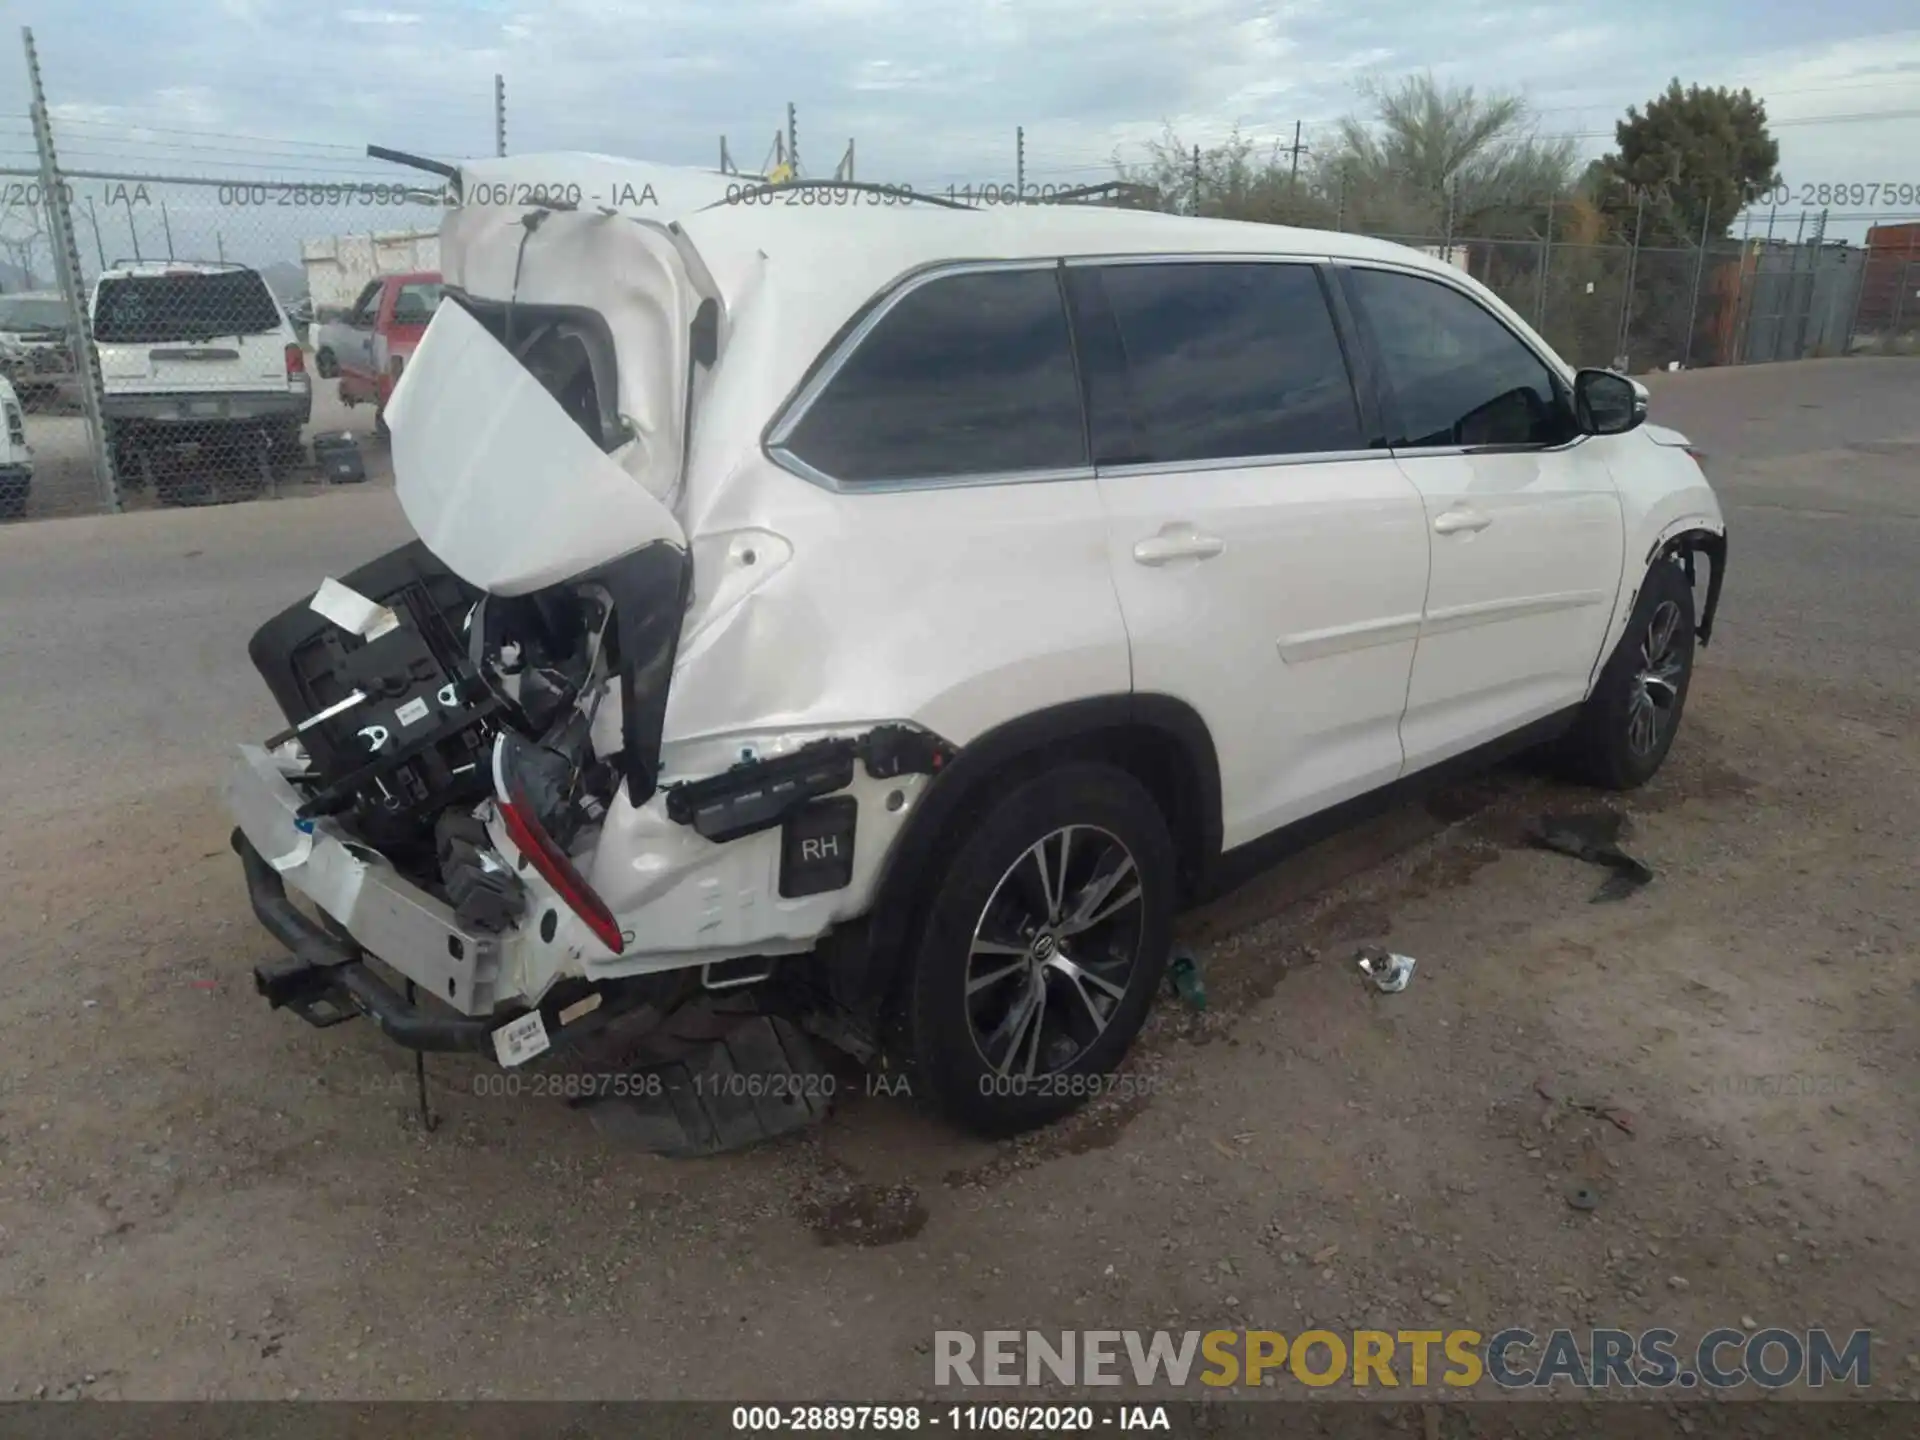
(246, 332)
(234, 361)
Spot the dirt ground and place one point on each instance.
(202, 1199)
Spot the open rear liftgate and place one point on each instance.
(397, 726)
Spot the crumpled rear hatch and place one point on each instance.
(540, 428)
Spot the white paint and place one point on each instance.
(496, 478)
(1336, 623)
(190, 363)
(1326, 560)
(15, 454)
(413, 712)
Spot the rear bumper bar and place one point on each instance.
(326, 977)
(210, 407)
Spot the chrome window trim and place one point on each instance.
(1240, 462)
(1203, 257)
(1426, 452)
(794, 465)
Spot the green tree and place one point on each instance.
(1234, 180)
(1695, 157)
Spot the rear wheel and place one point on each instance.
(13, 496)
(324, 362)
(1628, 723)
(1043, 948)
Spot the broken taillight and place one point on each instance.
(524, 826)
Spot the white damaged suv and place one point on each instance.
(921, 605)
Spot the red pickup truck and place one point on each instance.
(368, 347)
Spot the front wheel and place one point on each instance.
(1042, 950)
(1628, 723)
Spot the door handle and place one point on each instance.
(1455, 521)
(1177, 544)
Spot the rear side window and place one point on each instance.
(1457, 375)
(148, 309)
(1229, 360)
(968, 374)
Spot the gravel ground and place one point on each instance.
(202, 1199)
(63, 478)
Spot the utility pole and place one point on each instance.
(219, 245)
(93, 218)
(1546, 263)
(1020, 161)
(1293, 173)
(132, 229)
(1625, 331)
(66, 269)
(499, 114)
(1196, 179)
(1699, 270)
(793, 142)
(726, 160)
(167, 225)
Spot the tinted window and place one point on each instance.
(1458, 376)
(147, 309)
(966, 375)
(1227, 360)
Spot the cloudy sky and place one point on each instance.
(931, 89)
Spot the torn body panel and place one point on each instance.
(1665, 497)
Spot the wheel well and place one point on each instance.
(1684, 547)
(1159, 741)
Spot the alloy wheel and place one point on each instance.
(1053, 951)
(1656, 688)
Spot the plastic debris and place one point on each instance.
(1184, 974)
(1594, 838)
(1389, 973)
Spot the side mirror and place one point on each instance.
(1607, 403)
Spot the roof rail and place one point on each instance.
(753, 192)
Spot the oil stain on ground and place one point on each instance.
(864, 1215)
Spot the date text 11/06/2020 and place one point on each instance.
(819, 1085)
(830, 194)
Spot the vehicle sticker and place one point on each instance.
(411, 713)
(518, 1041)
(352, 611)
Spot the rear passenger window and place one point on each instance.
(1230, 360)
(969, 374)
